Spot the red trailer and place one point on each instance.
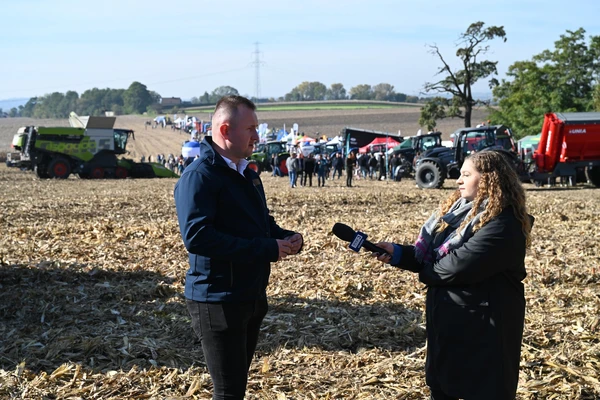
(569, 148)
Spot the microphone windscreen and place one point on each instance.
(344, 232)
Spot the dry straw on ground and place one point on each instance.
(91, 305)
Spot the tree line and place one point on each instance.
(137, 99)
(317, 91)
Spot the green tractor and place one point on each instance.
(260, 160)
(89, 149)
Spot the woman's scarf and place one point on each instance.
(432, 245)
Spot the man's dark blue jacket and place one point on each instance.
(227, 229)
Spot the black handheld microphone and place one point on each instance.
(347, 234)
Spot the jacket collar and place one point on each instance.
(208, 153)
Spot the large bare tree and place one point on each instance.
(472, 45)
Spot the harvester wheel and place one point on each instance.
(429, 176)
(121, 173)
(254, 166)
(97, 173)
(41, 171)
(59, 168)
(593, 174)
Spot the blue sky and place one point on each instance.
(185, 48)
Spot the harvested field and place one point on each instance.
(326, 122)
(91, 294)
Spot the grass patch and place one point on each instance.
(328, 107)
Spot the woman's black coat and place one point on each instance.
(475, 312)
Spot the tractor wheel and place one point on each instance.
(429, 175)
(593, 174)
(121, 173)
(59, 168)
(41, 171)
(97, 173)
(254, 166)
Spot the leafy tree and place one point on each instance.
(307, 91)
(596, 98)
(194, 100)
(361, 92)
(401, 97)
(459, 83)
(524, 99)
(222, 91)
(205, 98)
(336, 92)
(137, 98)
(384, 92)
(432, 111)
(294, 95)
(560, 80)
(13, 112)
(156, 98)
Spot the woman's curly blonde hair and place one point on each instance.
(500, 185)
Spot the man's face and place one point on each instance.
(241, 134)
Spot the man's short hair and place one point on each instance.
(227, 107)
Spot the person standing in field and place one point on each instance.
(232, 240)
(350, 163)
(309, 169)
(292, 165)
(471, 255)
(321, 167)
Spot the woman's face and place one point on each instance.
(468, 181)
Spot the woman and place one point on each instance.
(472, 259)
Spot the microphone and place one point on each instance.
(348, 234)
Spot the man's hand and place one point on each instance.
(296, 241)
(285, 248)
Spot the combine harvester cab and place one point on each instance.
(569, 148)
(88, 148)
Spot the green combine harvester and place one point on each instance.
(89, 148)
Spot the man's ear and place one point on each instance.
(224, 130)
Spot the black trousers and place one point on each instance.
(439, 395)
(305, 177)
(229, 333)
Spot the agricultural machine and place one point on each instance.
(569, 148)
(415, 146)
(89, 148)
(437, 164)
(260, 160)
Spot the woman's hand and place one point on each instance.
(389, 248)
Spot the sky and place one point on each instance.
(185, 48)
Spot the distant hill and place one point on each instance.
(7, 104)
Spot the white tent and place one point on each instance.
(335, 140)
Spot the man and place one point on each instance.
(231, 239)
(292, 165)
(338, 165)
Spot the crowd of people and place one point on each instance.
(373, 166)
(175, 164)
